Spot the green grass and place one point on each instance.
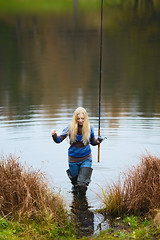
(137, 195)
(53, 6)
(130, 227)
(36, 6)
(30, 207)
(34, 229)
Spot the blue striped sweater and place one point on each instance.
(77, 151)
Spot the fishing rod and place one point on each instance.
(100, 77)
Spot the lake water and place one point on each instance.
(49, 65)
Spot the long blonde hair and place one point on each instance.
(73, 128)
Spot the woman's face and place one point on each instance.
(80, 119)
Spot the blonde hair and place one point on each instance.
(73, 128)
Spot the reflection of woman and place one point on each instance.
(81, 134)
(82, 216)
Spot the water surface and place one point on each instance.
(49, 65)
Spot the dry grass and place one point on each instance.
(112, 199)
(139, 190)
(24, 192)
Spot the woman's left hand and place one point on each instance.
(100, 139)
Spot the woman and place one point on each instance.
(81, 134)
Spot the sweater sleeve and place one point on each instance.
(62, 136)
(93, 140)
(56, 138)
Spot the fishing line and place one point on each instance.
(100, 77)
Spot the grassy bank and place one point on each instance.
(34, 7)
(53, 6)
(130, 227)
(40, 6)
(60, 6)
(34, 229)
(137, 190)
(30, 209)
(133, 202)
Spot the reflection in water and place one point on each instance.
(75, 6)
(44, 60)
(49, 65)
(84, 218)
(146, 5)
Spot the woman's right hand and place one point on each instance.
(53, 132)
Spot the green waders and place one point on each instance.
(81, 182)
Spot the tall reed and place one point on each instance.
(25, 192)
(137, 192)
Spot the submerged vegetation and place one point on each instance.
(30, 209)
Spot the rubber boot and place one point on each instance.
(73, 180)
(83, 179)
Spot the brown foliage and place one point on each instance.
(137, 192)
(24, 192)
(141, 190)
